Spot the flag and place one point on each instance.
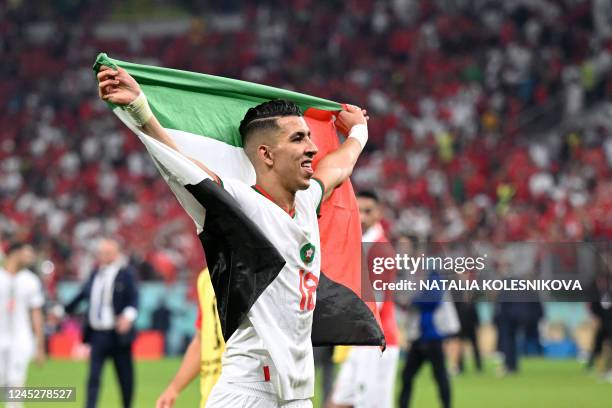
(202, 114)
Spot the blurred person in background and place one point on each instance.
(509, 317)
(324, 364)
(601, 308)
(599, 337)
(203, 355)
(21, 316)
(111, 294)
(532, 344)
(469, 322)
(48, 281)
(432, 317)
(516, 311)
(513, 318)
(161, 321)
(367, 379)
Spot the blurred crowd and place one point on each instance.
(477, 110)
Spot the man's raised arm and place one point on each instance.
(118, 87)
(338, 165)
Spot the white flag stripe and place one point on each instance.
(176, 170)
(225, 160)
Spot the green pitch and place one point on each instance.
(542, 383)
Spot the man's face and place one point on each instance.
(293, 153)
(108, 251)
(368, 212)
(26, 257)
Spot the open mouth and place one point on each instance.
(307, 165)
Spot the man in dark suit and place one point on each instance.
(112, 302)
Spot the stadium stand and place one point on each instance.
(473, 106)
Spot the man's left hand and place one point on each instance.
(40, 357)
(123, 325)
(351, 116)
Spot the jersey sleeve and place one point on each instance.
(315, 193)
(37, 298)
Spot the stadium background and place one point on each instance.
(489, 119)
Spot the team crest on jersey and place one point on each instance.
(307, 253)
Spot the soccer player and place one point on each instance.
(366, 378)
(268, 361)
(204, 352)
(21, 301)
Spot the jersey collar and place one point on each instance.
(264, 193)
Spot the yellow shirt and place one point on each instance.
(211, 337)
(340, 354)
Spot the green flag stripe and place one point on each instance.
(203, 104)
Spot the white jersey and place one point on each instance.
(19, 294)
(273, 343)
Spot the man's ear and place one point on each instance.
(265, 154)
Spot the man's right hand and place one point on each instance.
(168, 398)
(117, 86)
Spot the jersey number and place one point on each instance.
(308, 287)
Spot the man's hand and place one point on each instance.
(52, 319)
(338, 165)
(168, 398)
(188, 371)
(350, 117)
(117, 86)
(40, 357)
(123, 325)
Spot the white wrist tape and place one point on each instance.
(360, 133)
(139, 109)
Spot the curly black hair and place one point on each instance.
(263, 116)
